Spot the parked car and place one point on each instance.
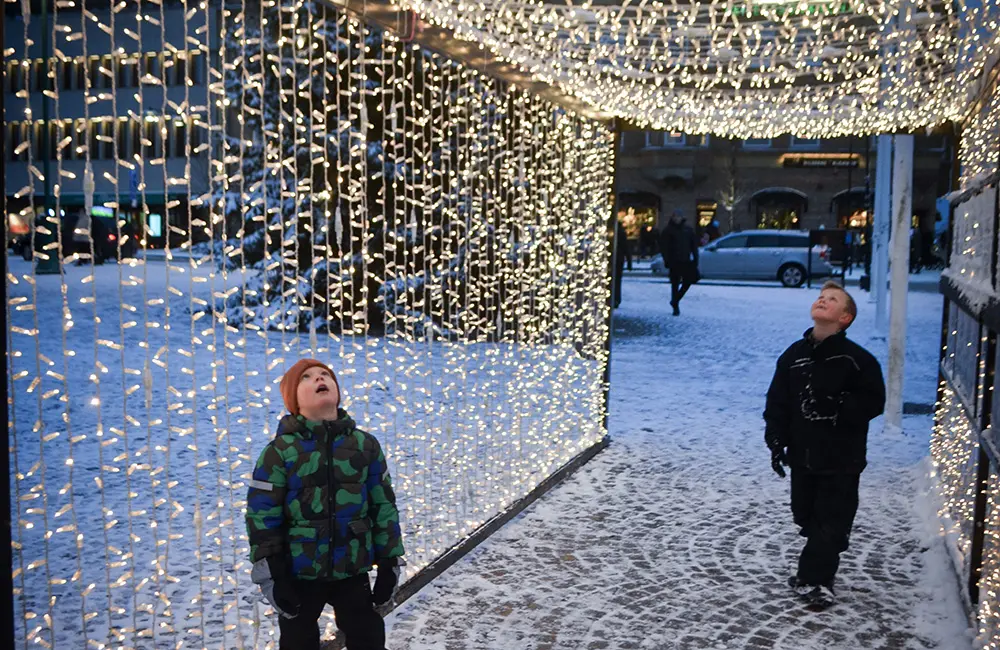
(103, 229)
(781, 255)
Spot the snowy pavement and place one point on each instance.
(679, 536)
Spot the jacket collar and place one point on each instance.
(296, 424)
(808, 336)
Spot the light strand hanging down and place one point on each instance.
(237, 186)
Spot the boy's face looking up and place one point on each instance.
(831, 309)
(318, 395)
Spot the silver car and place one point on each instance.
(781, 255)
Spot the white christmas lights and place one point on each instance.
(756, 69)
(436, 234)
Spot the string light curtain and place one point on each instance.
(748, 69)
(324, 189)
(968, 389)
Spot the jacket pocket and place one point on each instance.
(304, 548)
(359, 546)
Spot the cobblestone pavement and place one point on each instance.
(678, 536)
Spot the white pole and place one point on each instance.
(902, 214)
(880, 230)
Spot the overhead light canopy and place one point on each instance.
(750, 69)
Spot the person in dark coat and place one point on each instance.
(825, 391)
(916, 250)
(679, 247)
(622, 253)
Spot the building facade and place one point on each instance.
(784, 182)
(133, 101)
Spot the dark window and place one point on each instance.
(736, 241)
(13, 140)
(150, 64)
(197, 68)
(79, 146)
(96, 128)
(791, 241)
(196, 132)
(36, 141)
(154, 141)
(40, 78)
(94, 71)
(178, 140)
(180, 69)
(764, 241)
(124, 142)
(56, 135)
(107, 77)
(168, 70)
(80, 74)
(134, 133)
(128, 73)
(66, 74)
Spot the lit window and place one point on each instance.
(673, 139)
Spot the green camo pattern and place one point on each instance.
(322, 495)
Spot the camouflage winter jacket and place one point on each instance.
(322, 495)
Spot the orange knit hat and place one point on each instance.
(289, 385)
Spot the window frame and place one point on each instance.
(764, 143)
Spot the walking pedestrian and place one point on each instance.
(321, 513)
(825, 391)
(679, 247)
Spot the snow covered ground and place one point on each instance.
(679, 536)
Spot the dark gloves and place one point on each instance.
(778, 461)
(386, 581)
(275, 581)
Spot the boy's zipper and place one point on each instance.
(329, 493)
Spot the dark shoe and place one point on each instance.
(677, 309)
(801, 590)
(821, 598)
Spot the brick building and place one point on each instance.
(784, 182)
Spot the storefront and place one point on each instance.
(778, 207)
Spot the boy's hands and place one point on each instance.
(275, 581)
(778, 461)
(386, 581)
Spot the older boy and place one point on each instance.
(320, 514)
(825, 391)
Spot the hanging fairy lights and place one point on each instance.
(754, 69)
(296, 183)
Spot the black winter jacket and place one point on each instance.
(678, 245)
(820, 402)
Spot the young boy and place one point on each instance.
(825, 391)
(320, 514)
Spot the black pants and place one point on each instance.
(681, 279)
(823, 506)
(352, 607)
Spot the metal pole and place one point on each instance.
(612, 230)
(902, 211)
(880, 229)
